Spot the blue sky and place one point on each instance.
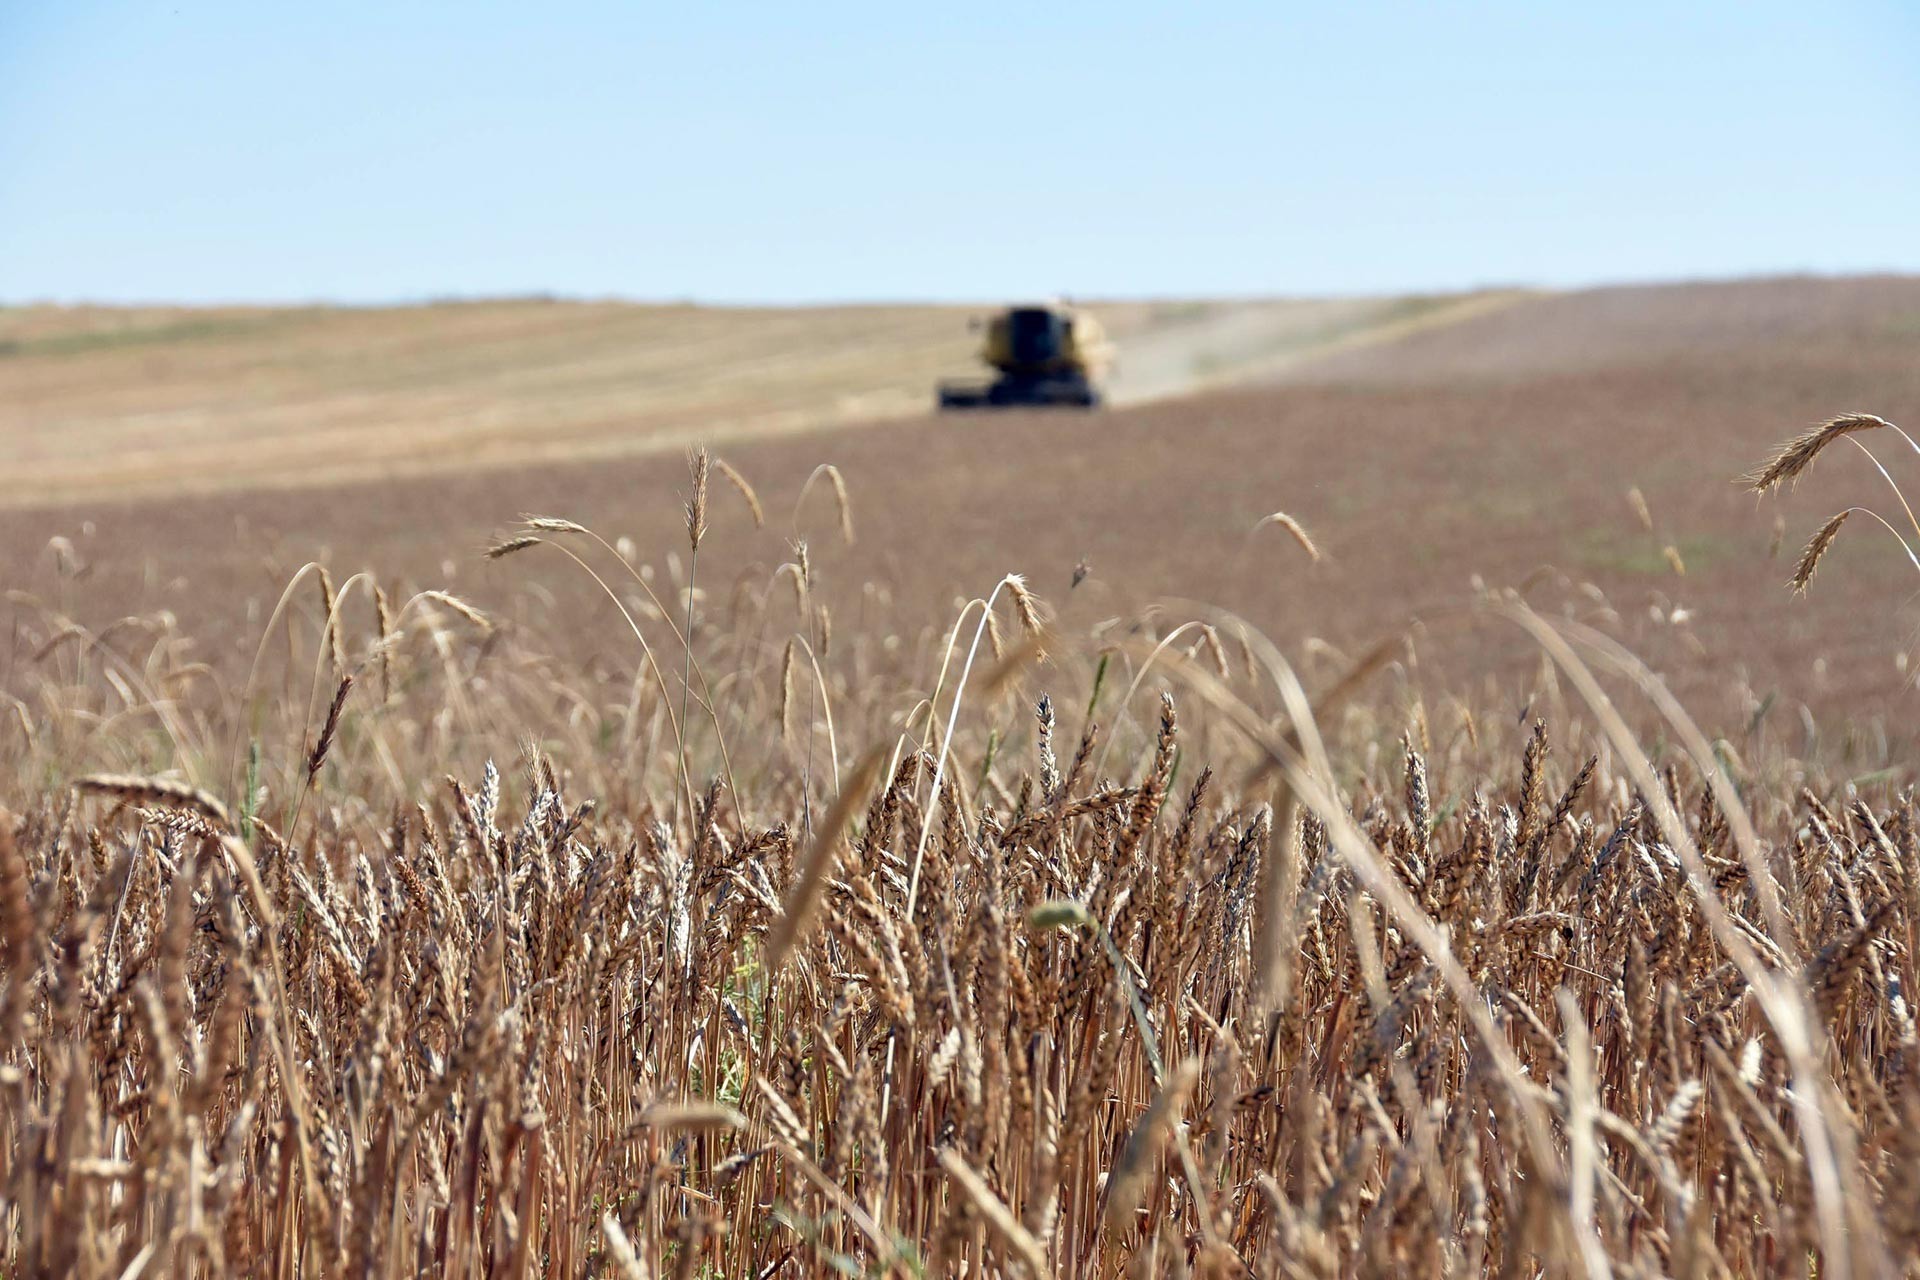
(204, 150)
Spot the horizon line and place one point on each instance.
(555, 296)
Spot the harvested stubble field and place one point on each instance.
(98, 403)
(749, 923)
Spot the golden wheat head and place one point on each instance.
(698, 462)
(1293, 528)
(551, 524)
(1796, 455)
(1817, 547)
(500, 550)
(739, 482)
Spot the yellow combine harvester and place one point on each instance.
(1044, 355)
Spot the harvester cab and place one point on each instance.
(1045, 355)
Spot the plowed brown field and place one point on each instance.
(1498, 448)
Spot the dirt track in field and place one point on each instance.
(1497, 448)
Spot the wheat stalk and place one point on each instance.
(1294, 529)
(842, 506)
(1026, 1250)
(739, 482)
(510, 546)
(136, 790)
(1816, 548)
(1792, 458)
(928, 1039)
(1818, 545)
(1638, 501)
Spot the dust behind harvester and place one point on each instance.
(1043, 355)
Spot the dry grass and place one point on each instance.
(749, 966)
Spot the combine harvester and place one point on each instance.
(1052, 355)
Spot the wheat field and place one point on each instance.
(799, 943)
